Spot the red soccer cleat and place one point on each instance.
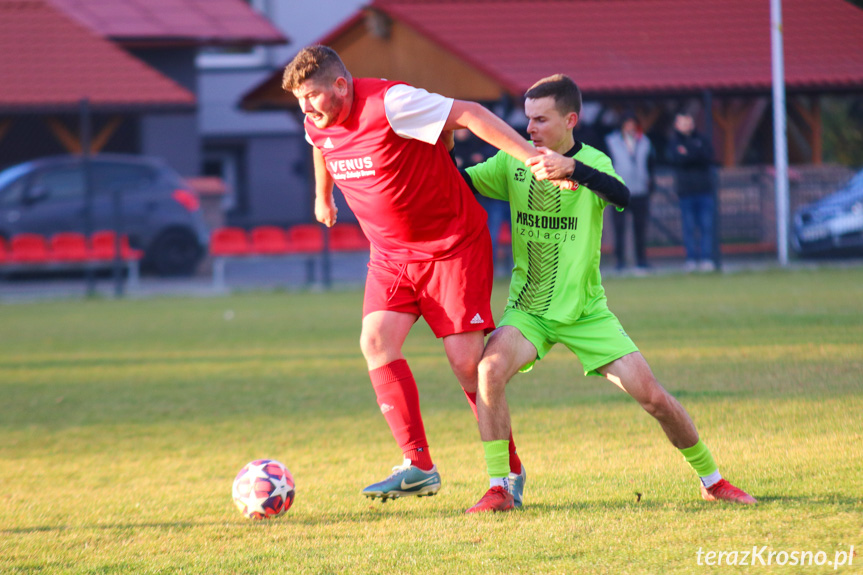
(495, 499)
(724, 491)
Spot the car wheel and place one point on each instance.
(175, 253)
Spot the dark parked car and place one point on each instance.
(158, 212)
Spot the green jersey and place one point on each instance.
(556, 235)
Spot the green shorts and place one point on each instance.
(596, 338)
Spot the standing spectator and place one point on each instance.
(692, 157)
(632, 155)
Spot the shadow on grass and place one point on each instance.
(364, 516)
(832, 499)
(108, 527)
(154, 360)
(377, 513)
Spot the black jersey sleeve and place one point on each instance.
(603, 185)
(468, 180)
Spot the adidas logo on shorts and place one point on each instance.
(476, 319)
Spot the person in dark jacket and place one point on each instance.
(692, 157)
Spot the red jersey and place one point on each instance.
(408, 196)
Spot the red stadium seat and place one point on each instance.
(348, 237)
(103, 244)
(70, 247)
(230, 242)
(270, 240)
(4, 255)
(306, 238)
(29, 248)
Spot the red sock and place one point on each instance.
(399, 401)
(420, 457)
(514, 461)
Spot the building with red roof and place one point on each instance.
(654, 55)
(174, 22)
(134, 62)
(208, 51)
(55, 75)
(711, 58)
(44, 82)
(645, 46)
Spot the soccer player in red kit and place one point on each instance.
(380, 142)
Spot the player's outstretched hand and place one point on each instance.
(549, 165)
(326, 212)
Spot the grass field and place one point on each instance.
(122, 424)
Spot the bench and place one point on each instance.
(68, 251)
(307, 241)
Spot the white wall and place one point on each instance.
(220, 89)
(270, 157)
(306, 21)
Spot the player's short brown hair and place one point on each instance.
(567, 96)
(321, 62)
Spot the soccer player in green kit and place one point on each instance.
(556, 294)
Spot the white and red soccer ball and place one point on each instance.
(263, 488)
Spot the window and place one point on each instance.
(65, 183)
(13, 193)
(234, 56)
(108, 178)
(224, 164)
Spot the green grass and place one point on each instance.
(122, 424)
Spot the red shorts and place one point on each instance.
(453, 295)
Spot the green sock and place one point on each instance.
(497, 457)
(699, 457)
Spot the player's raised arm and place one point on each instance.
(325, 205)
(489, 128)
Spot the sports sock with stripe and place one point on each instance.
(497, 460)
(398, 398)
(514, 460)
(701, 460)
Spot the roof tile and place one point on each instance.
(200, 21)
(74, 64)
(644, 45)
